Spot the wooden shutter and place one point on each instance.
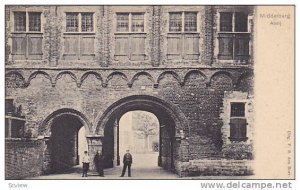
(35, 46)
(225, 46)
(121, 47)
(174, 46)
(19, 46)
(71, 47)
(87, 47)
(241, 46)
(137, 47)
(238, 129)
(191, 46)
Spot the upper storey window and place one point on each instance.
(186, 19)
(183, 37)
(130, 37)
(233, 36)
(27, 37)
(79, 37)
(79, 22)
(130, 22)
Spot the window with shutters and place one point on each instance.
(183, 37)
(233, 36)
(79, 36)
(27, 36)
(238, 122)
(130, 37)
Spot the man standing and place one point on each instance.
(85, 164)
(127, 161)
(98, 160)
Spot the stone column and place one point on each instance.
(94, 144)
(116, 143)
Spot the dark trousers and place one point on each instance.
(124, 169)
(100, 170)
(85, 168)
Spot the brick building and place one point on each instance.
(68, 67)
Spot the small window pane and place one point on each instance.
(34, 22)
(72, 22)
(20, 21)
(87, 22)
(123, 22)
(237, 110)
(241, 22)
(137, 22)
(225, 22)
(190, 22)
(175, 22)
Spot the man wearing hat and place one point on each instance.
(127, 161)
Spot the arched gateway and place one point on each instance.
(62, 126)
(172, 126)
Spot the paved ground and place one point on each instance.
(144, 167)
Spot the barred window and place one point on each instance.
(237, 110)
(34, 22)
(137, 22)
(72, 22)
(20, 21)
(190, 22)
(123, 22)
(226, 22)
(87, 24)
(175, 22)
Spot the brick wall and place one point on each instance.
(23, 158)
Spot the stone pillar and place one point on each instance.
(94, 144)
(116, 160)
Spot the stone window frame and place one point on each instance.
(80, 22)
(25, 50)
(234, 35)
(184, 38)
(242, 118)
(130, 21)
(131, 36)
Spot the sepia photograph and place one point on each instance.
(143, 92)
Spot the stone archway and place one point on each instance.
(61, 135)
(173, 129)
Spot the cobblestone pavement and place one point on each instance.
(144, 167)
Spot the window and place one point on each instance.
(130, 22)
(72, 22)
(190, 22)
(79, 37)
(130, 37)
(137, 22)
(84, 20)
(123, 22)
(27, 37)
(20, 21)
(238, 122)
(183, 39)
(14, 120)
(175, 22)
(233, 36)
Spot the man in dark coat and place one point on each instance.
(98, 160)
(127, 161)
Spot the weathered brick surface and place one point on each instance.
(23, 158)
(196, 88)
